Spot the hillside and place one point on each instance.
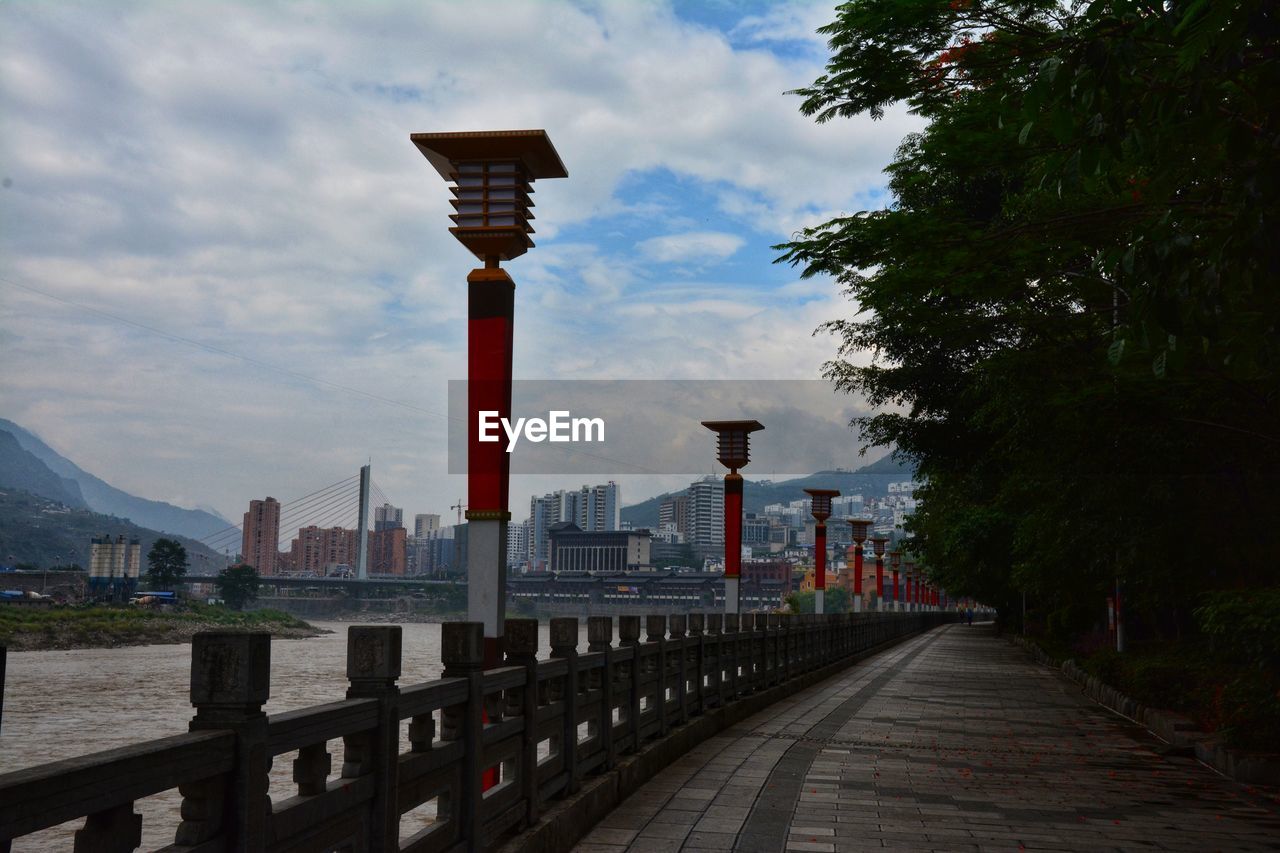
(21, 470)
(102, 497)
(873, 479)
(44, 533)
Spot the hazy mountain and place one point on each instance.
(104, 498)
(22, 470)
(871, 480)
(44, 533)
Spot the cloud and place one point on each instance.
(700, 247)
(239, 175)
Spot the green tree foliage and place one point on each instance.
(1072, 297)
(238, 585)
(166, 564)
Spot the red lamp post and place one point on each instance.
(491, 173)
(820, 507)
(859, 526)
(895, 560)
(877, 544)
(732, 451)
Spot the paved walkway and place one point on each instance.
(953, 741)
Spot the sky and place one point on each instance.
(226, 273)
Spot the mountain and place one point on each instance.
(44, 533)
(104, 498)
(21, 470)
(872, 479)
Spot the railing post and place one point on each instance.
(715, 631)
(600, 640)
(680, 644)
(697, 624)
(230, 682)
(522, 650)
(729, 641)
(655, 628)
(462, 653)
(373, 666)
(564, 644)
(629, 638)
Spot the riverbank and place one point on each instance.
(25, 629)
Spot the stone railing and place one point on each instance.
(490, 749)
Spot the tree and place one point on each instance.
(1071, 298)
(166, 563)
(238, 585)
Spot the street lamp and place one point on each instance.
(859, 526)
(732, 451)
(877, 545)
(820, 506)
(491, 173)
(895, 560)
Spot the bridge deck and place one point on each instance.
(953, 741)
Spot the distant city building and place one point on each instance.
(518, 544)
(114, 567)
(387, 517)
(705, 530)
(425, 524)
(387, 551)
(260, 540)
(590, 508)
(316, 550)
(674, 511)
(577, 550)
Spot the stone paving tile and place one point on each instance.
(952, 741)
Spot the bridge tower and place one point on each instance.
(362, 528)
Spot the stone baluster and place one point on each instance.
(462, 652)
(715, 638)
(564, 645)
(696, 668)
(655, 628)
(522, 650)
(629, 638)
(600, 639)
(230, 682)
(373, 667)
(729, 655)
(679, 662)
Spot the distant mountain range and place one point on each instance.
(27, 463)
(873, 479)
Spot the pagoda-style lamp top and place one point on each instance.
(732, 445)
(878, 543)
(860, 526)
(492, 172)
(895, 558)
(909, 567)
(821, 504)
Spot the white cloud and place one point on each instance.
(699, 247)
(241, 175)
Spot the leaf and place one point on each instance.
(1159, 362)
(1024, 133)
(1126, 263)
(1115, 352)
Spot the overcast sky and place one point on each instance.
(214, 228)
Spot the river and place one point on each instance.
(61, 704)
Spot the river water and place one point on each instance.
(61, 704)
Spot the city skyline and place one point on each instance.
(244, 284)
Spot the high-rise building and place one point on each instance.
(706, 516)
(574, 550)
(260, 542)
(387, 517)
(517, 544)
(319, 550)
(114, 567)
(590, 508)
(424, 524)
(675, 512)
(387, 551)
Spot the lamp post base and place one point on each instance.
(730, 595)
(819, 600)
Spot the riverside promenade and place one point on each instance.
(952, 741)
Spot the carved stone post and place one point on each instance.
(600, 640)
(729, 653)
(462, 652)
(715, 635)
(230, 682)
(680, 665)
(629, 638)
(522, 650)
(564, 644)
(373, 666)
(655, 628)
(696, 669)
